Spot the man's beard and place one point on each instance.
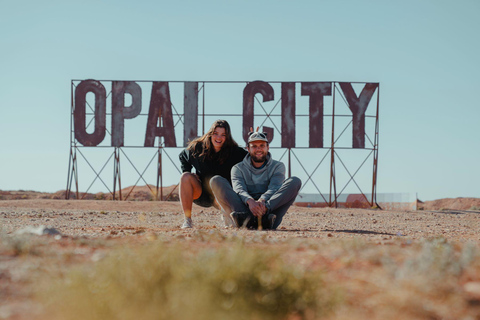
(260, 159)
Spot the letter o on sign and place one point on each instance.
(100, 112)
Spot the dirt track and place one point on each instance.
(117, 218)
(91, 228)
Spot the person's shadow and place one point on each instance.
(360, 232)
(337, 231)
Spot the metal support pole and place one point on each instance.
(203, 109)
(289, 163)
(75, 172)
(70, 160)
(159, 175)
(333, 183)
(71, 166)
(117, 175)
(375, 153)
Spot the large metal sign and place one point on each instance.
(299, 118)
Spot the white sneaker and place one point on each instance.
(187, 223)
(227, 220)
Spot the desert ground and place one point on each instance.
(385, 264)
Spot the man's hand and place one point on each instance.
(257, 208)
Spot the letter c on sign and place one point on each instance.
(249, 92)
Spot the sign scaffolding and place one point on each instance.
(327, 133)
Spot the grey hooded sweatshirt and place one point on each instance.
(252, 183)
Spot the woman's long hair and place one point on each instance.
(207, 150)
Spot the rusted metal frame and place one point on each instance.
(366, 135)
(179, 120)
(223, 114)
(374, 144)
(171, 192)
(93, 113)
(174, 109)
(281, 157)
(73, 144)
(289, 163)
(345, 129)
(352, 176)
(159, 174)
(75, 168)
(333, 152)
(72, 174)
(313, 172)
(180, 116)
(301, 165)
(174, 164)
(269, 114)
(203, 108)
(341, 133)
(67, 189)
(346, 102)
(140, 174)
(160, 149)
(375, 152)
(227, 82)
(203, 117)
(97, 174)
(341, 92)
(116, 175)
(333, 183)
(75, 164)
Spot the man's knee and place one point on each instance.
(217, 182)
(295, 183)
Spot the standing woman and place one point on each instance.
(214, 153)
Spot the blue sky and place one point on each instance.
(423, 53)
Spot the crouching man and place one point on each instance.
(259, 196)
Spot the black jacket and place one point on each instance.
(206, 169)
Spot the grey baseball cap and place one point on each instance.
(257, 136)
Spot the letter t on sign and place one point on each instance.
(316, 91)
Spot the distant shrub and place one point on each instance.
(157, 282)
(438, 261)
(99, 196)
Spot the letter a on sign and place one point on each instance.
(160, 113)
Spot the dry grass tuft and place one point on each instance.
(161, 282)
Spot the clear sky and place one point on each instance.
(425, 55)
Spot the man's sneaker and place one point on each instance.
(240, 218)
(187, 223)
(268, 220)
(227, 220)
(271, 220)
